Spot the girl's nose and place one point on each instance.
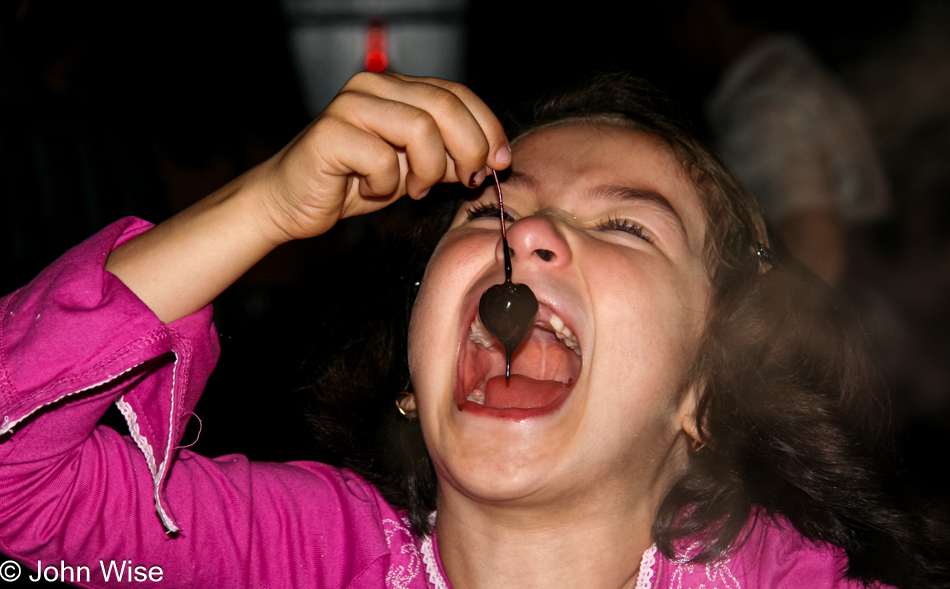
(536, 240)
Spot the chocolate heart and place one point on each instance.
(508, 311)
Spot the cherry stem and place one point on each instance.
(504, 232)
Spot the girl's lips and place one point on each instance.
(544, 369)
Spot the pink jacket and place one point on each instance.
(94, 507)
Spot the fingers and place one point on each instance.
(382, 137)
(372, 159)
(499, 155)
(390, 124)
(422, 113)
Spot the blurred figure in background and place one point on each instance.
(788, 128)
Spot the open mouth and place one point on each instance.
(544, 369)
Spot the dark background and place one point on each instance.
(144, 107)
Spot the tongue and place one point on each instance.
(521, 392)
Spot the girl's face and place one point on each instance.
(608, 232)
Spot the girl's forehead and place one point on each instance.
(600, 121)
(601, 146)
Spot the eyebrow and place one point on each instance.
(520, 179)
(615, 192)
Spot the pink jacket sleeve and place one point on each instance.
(76, 340)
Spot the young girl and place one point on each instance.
(685, 412)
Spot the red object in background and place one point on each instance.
(376, 59)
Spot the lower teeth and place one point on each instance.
(477, 396)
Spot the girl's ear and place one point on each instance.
(406, 404)
(688, 407)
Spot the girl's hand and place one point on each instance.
(383, 136)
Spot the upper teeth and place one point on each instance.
(480, 335)
(565, 334)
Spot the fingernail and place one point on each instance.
(477, 178)
(423, 193)
(503, 155)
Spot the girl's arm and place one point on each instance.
(382, 137)
(78, 339)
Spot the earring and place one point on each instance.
(406, 404)
(764, 255)
(695, 445)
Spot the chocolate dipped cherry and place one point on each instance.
(507, 310)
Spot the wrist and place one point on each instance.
(268, 196)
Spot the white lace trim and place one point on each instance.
(131, 419)
(647, 562)
(157, 471)
(429, 560)
(432, 565)
(166, 518)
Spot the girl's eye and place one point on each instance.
(627, 226)
(482, 210)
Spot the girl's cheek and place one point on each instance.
(432, 296)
